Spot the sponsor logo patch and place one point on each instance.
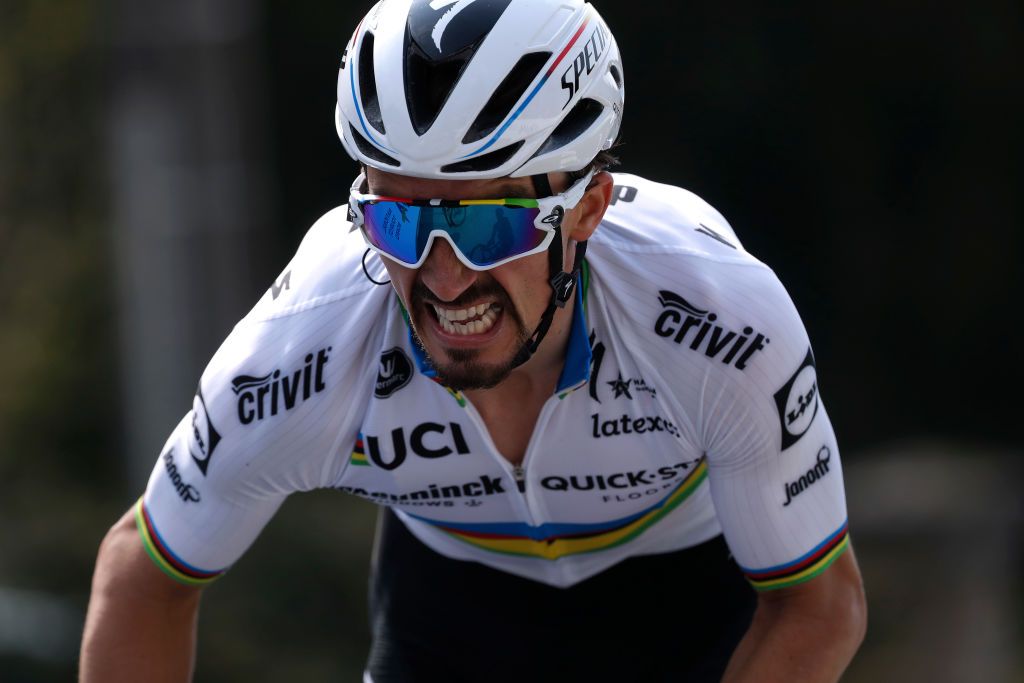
(260, 397)
(436, 495)
(617, 480)
(284, 283)
(811, 477)
(630, 424)
(705, 230)
(797, 402)
(203, 437)
(624, 193)
(429, 440)
(187, 492)
(394, 373)
(680, 317)
(596, 359)
(621, 387)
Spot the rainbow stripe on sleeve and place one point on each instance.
(554, 541)
(167, 561)
(803, 568)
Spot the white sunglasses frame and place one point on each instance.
(551, 212)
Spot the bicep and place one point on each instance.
(124, 569)
(140, 625)
(837, 590)
(832, 606)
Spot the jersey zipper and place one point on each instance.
(519, 473)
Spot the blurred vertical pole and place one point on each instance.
(190, 198)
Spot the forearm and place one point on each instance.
(804, 649)
(140, 626)
(138, 641)
(808, 633)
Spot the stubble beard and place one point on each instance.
(462, 368)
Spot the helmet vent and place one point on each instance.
(370, 150)
(579, 119)
(429, 84)
(441, 39)
(368, 85)
(616, 76)
(505, 97)
(486, 162)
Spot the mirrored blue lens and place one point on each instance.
(484, 233)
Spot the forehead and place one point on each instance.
(384, 183)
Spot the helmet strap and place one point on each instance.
(562, 284)
(541, 185)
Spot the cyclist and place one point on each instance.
(591, 418)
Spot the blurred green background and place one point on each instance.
(159, 163)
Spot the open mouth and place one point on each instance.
(478, 319)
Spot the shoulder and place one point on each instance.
(651, 217)
(302, 355)
(289, 384)
(326, 269)
(668, 243)
(322, 297)
(676, 280)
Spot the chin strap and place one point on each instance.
(563, 284)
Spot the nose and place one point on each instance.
(444, 274)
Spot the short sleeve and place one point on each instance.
(285, 390)
(774, 469)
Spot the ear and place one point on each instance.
(590, 210)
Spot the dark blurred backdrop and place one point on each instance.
(159, 163)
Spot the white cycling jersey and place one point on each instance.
(688, 407)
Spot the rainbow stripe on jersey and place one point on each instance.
(803, 568)
(554, 541)
(169, 563)
(358, 457)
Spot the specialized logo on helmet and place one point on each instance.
(447, 17)
(442, 28)
(584, 63)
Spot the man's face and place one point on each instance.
(470, 323)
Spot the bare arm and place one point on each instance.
(141, 624)
(806, 633)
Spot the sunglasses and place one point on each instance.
(484, 233)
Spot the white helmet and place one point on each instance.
(464, 89)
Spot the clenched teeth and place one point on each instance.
(473, 320)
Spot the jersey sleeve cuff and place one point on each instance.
(803, 568)
(169, 563)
